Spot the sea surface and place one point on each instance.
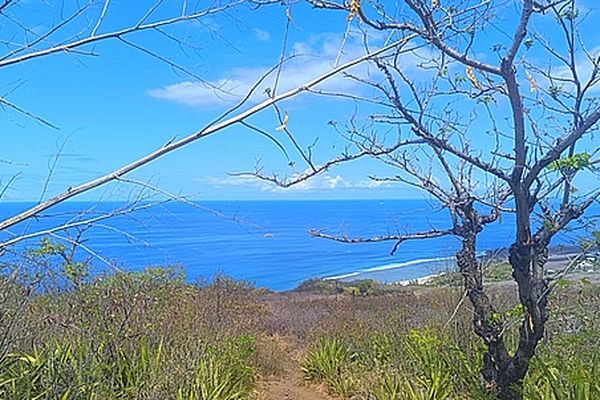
(267, 242)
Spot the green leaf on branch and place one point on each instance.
(573, 163)
(47, 247)
(549, 225)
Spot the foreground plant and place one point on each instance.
(417, 364)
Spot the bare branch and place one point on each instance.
(520, 32)
(101, 18)
(316, 170)
(87, 250)
(433, 35)
(75, 224)
(8, 184)
(431, 234)
(422, 132)
(29, 114)
(5, 4)
(68, 47)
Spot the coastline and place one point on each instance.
(566, 261)
(419, 281)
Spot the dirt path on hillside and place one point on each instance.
(290, 385)
(286, 389)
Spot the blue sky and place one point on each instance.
(116, 107)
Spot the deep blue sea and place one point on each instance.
(267, 242)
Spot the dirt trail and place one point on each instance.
(289, 389)
(290, 385)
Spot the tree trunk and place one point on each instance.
(498, 371)
(502, 373)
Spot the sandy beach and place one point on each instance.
(571, 265)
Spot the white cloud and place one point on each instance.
(319, 182)
(373, 184)
(247, 181)
(311, 59)
(324, 182)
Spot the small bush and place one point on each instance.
(568, 368)
(326, 359)
(222, 373)
(419, 364)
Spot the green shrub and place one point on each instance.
(389, 385)
(317, 285)
(438, 367)
(222, 373)
(330, 361)
(57, 371)
(568, 368)
(421, 363)
(65, 372)
(326, 359)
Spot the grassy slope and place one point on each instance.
(151, 336)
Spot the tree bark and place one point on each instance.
(487, 323)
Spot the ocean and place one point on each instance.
(267, 242)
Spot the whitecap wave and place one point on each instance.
(338, 277)
(388, 267)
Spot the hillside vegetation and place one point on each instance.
(150, 335)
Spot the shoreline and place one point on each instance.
(560, 259)
(418, 281)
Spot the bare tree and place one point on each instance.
(471, 137)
